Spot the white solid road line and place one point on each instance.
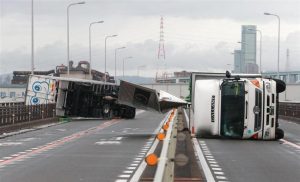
(207, 171)
(290, 143)
(205, 167)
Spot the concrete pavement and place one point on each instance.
(248, 160)
(98, 150)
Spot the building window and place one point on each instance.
(12, 94)
(2, 94)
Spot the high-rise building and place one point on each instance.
(248, 50)
(237, 61)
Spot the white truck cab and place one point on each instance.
(235, 106)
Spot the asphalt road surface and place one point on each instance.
(91, 150)
(261, 161)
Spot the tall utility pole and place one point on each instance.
(116, 60)
(278, 51)
(90, 46)
(161, 46)
(68, 33)
(109, 36)
(32, 38)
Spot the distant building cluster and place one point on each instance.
(245, 58)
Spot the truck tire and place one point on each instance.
(129, 113)
(280, 85)
(279, 133)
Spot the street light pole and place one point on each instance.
(124, 64)
(260, 47)
(32, 38)
(109, 36)
(68, 33)
(278, 51)
(90, 46)
(116, 60)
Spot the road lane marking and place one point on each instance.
(216, 168)
(7, 157)
(290, 143)
(118, 138)
(127, 172)
(221, 177)
(131, 168)
(43, 148)
(108, 143)
(206, 169)
(5, 144)
(218, 172)
(124, 176)
(121, 180)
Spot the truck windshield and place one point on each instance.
(232, 108)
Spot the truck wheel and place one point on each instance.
(280, 85)
(131, 113)
(279, 133)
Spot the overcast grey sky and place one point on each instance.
(199, 34)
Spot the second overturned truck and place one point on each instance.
(235, 106)
(77, 97)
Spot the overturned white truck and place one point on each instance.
(235, 106)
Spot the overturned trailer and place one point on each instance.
(147, 99)
(77, 97)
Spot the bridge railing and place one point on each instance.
(289, 110)
(13, 113)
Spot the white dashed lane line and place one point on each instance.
(212, 170)
(126, 174)
(137, 166)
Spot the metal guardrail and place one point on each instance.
(13, 113)
(165, 168)
(289, 110)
